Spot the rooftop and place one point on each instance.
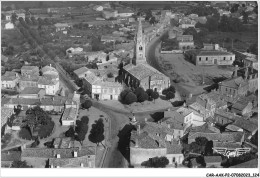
(212, 159)
(71, 162)
(52, 152)
(213, 53)
(184, 111)
(69, 114)
(229, 145)
(236, 82)
(31, 90)
(81, 71)
(174, 115)
(10, 156)
(29, 68)
(248, 164)
(245, 124)
(173, 148)
(46, 81)
(225, 137)
(141, 71)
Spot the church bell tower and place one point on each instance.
(140, 45)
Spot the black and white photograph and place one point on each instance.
(129, 84)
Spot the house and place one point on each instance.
(9, 80)
(56, 103)
(9, 26)
(59, 157)
(214, 57)
(8, 157)
(32, 92)
(74, 51)
(28, 81)
(242, 107)
(109, 13)
(147, 143)
(61, 26)
(186, 23)
(213, 161)
(106, 90)
(126, 12)
(224, 117)
(98, 8)
(250, 75)
(30, 70)
(185, 41)
(51, 86)
(69, 116)
(6, 113)
(81, 72)
(175, 128)
(96, 55)
(234, 86)
(50, 71)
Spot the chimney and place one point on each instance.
(246, 73)
(75, 154)
(235, 73)
(139, 129)
(58, 155)
(136, 142)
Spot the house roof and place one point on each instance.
(4, 101)
(245, 124)
(29, 68)
(174, 124)
(91, 77)
(30, 90)
(69, 114)
(24, 101)
(173, 148)
(184, 111)
(46, 81)
(226, 136)
(48, 68)
(60, 25)
(234, 82)
(70, 162)
(248, 164)
(8, 78)
(225, 114)
(203, 128)
(174, 115)
(213, 53)
(10, 156)
(212, 159)
(55, 101)
(32, 78)
(141, 71)
(52, 152)
(5, 112)
(229, 145)
(81, 71)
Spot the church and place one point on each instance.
(139, 73)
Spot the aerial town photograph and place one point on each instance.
(129, 84)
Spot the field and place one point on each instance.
(241, 40)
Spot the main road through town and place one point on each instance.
(119, 118)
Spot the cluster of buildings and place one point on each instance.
(62, 154)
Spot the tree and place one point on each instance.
(149, 92)
(170, 95)
(81, 130)
(155, 95)
(142, 97)
(124, 93)
(20, 164)
(253, 48)
(97, 132)
(234, 8)
(130, 98)
(28, 21)
(87, 104)
(70, 132)
(14, 18)
(35, 143)
(110, 75)
(85, 119)
(202, 141)
(156, 162)
(171, 88)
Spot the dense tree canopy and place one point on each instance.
(156, 162)
(97, 132)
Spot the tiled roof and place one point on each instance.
(234, 82)
(173, 148)
(81, 71)
(197, 107)
(154, 128)
(175, 115)
(229, 145)
(228, 137)
(10, 73)
(248, 164)
(10, 156)
(184, 111)
(29, 68)
(107, 84)
(4, 101)
(24, 101)
(245, 124)
(91, 77)
(174, 124)
(239, 106)
(69, 114)
(229, 115)
(141, 71)
(212, 159)
(45, 81)
(232, 127)
(52, 152)
(31, 90)
(30, 78)
(71, 162)
(5, 112)
(8, 78)
(214, 53)
(48, 68)
(203, 128)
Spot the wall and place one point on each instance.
(139, 155)
(215, 60)
(178, 158)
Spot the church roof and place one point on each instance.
(141, 71)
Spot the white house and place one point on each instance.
(51, 86)
(9, 25)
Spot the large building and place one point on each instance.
(139, 73)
